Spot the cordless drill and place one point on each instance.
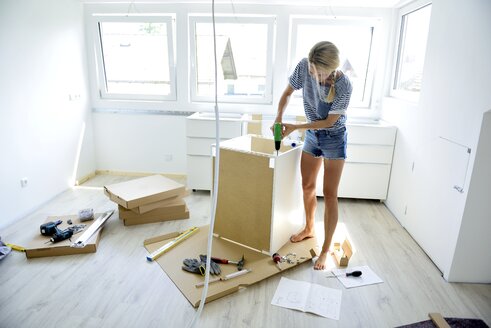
(51, 229)
(277, 137)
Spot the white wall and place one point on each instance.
(142, 142)
(42, 63)
(454, 96)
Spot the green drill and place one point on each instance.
(277, 137)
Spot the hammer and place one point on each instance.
(240, 263)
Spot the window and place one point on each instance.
(136, 59)
(411, 51)
(244, 59)
(354, 39)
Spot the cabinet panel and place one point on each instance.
(360, 180)
(371, 135)
(369, 154)
(206, 128)
(199, 172)
(200, 146)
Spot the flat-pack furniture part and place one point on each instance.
(143, 191)
(343, 253)
(259, 199)
(129, 218)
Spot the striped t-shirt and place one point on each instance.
(301, 79)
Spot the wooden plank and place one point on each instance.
(438, 320)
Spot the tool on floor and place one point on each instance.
(50, 228)
(277, 259)
(277, 136)
(199, 266)
(227, 277)
(356, 273)
(94, 227)
(156, 254)
(240, 263)
(76, 228)
(60, 235)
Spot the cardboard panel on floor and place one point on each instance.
(41, 247)
(150, 218)
(262, 265)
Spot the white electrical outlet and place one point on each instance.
(23, 182)
(168, 157)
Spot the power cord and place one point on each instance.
(194, 322)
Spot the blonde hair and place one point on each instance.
(325, 55)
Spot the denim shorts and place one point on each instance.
(330, 144)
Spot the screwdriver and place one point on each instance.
(277, 259)
(356, 273)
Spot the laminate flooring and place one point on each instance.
(117, 287)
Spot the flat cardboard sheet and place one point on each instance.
(161, 203)
(262, 265)
(153, 218)
(142, 191)
(175, 207)
(39, 248)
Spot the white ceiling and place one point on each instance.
(332, 3)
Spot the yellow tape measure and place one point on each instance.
(16, 247)
(156, 254)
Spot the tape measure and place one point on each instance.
(156, 254)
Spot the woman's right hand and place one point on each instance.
(272, 126)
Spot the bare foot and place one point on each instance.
(320, 264)
(304, 234)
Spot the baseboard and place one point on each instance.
(85, 178)
(140, 174)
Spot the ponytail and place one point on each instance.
(332, 90)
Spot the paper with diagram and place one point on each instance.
(308, 297)
(368, 277)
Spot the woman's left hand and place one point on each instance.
(288, 128)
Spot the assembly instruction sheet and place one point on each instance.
(308, 297)
(368, 277)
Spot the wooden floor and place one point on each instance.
(117, 287)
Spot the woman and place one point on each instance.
(326, 95)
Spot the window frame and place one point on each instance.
(404, 11)
(167, 19)
(371, 22)
(270, 21)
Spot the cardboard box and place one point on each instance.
(343, 253)
(175, 207)
(39, 248)
(142, 191)
(130, 218)
(259, 200)
(162, 203)
(262, 265)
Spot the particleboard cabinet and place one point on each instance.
(200, 135)
(366, 172)
(259, 198)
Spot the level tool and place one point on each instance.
(156, 254)
(94, 227)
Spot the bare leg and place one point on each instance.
(332, 176)
(309, 167)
